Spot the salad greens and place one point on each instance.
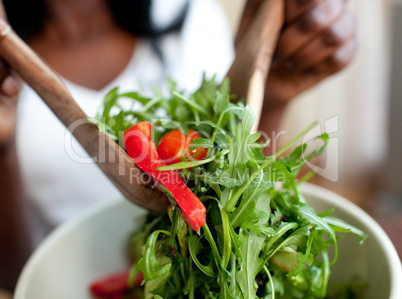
(261, 239)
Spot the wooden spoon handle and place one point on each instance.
(109, 156)
(248, 73)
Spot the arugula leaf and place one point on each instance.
(305, 259)
(259, 228)
(183, 165)
(309, 215)
(239, 149)
(200, 142)
(339, 225)
(250, 265)
(195, 248)
(222, 180)
(221, 103)
(148, 264)
(253, 204)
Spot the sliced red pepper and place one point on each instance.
(114, 285)
(138, 280)
(138, 144)
(174, 146)
(111, 285)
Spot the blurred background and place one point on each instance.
(364, 100)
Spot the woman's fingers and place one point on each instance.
(327, 43)
(318, 40)
(339, 60)
(296, 8)
(10, 86)
(9, 83)
(307, 26)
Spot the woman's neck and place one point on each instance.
(74, 21)
(82, 41)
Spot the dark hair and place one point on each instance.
(27, 17)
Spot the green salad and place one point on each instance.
(260, 238)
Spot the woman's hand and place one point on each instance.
(10, 86)
(9, 89)
(318, 40)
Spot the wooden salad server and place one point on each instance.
(108, 155)
(248, 75)
(256, 39)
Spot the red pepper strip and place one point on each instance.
(139, 146)
(114, 285)
(138, 280)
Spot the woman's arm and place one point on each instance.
(15, 237)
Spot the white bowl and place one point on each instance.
(94, 244)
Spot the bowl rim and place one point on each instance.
(392, 257)
(333, 198)
(53, 238)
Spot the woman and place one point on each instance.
(98, 44)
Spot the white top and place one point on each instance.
(57, 183)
